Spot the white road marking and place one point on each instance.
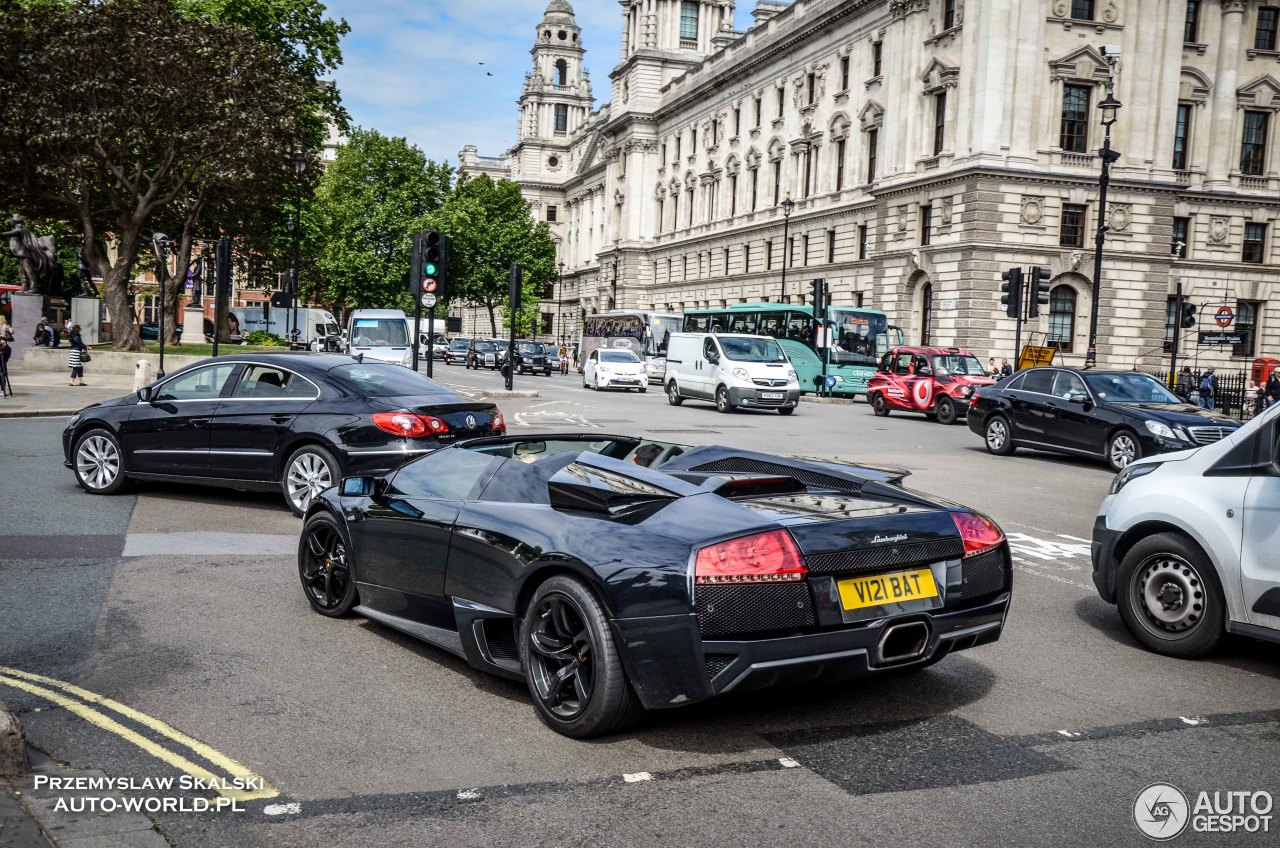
(546, 403)
(787, 762)
(552, 418)
(1071, 734)
(469, 795)
(282, 809)
(1192, 721)
(638, 777)
(1044, 557)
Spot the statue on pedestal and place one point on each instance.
(38, 268)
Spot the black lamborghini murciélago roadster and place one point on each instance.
(616, 575)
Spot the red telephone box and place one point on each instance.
(1262, 368)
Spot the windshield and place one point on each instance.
(958, 365)
(459, 344)
(380, 332)
(374, 379)
(618, 356)
(485, 347)
(530, 349)
(752, 350)
(1129, 388)
(327, 330)
(660, 328)
(857, 337)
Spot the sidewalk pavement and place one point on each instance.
(46, 393)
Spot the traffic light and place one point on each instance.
(818, 292)
(1038, 295)
(515, 287)
(430, 274)
(1012, 288)
(1188, 315)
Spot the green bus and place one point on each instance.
(859, 337)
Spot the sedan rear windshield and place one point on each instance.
(373, 379)
(1129, 388)
(752, 350)
(618, 356)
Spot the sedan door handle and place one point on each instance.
(200, 422)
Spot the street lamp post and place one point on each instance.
(299, 160)
(1109, 107)
(160, 244)
(787, 206)
(560, 299)
(613, 299)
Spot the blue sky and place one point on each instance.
(411, 67)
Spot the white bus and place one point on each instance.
(642, 332)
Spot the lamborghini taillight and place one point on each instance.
(770, 557)
(980, 534)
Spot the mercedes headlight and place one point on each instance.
(1131, 473)
(1163, 431)
(741, 374)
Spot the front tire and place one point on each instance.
(571, 662)
(1123, 448)
(673, 394)
(946, 410)
(98, 463)
(999, 436)
(786, 410)
(325, 568)
(723, 404)
(879, 405)
(1169, 598)
(308, 472)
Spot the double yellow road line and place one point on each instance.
(92, 707)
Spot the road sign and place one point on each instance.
(1222, 339)
(429, 284)
(1224, 317)
(428, 301)
(831, 381)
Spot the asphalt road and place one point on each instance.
(184, 605)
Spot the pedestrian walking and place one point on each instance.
(6, 351)
(77, 357)
(1208, 389)
(1272, 393)
(1185, 383)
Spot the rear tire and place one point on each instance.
(673, 394)
(723, 404)
(571, 664)
(1168, 595)
(998, 436)
(879, 406)
(946, 410)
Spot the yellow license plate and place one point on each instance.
(881, 589)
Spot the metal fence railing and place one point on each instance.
(1233, 396)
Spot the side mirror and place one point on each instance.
(363, 487)
(145, 394)
(1078, 397)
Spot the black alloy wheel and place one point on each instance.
(571, 662)
(324, 567)
(879, 405)
(946, 410)
(1169, 597)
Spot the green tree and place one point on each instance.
(490, 226)
(368, 205)
(112, 112)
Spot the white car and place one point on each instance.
(733, 370)
(1187, 544)
(380, 335)
(614, 369)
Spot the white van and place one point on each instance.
(382, 335)
(733, 370)
(1187, 544)
(315, 326)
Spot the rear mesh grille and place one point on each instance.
(886, 556)
(763, 608)
(984, 575)
(740, 465)
(717, 663)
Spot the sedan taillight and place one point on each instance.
(771, 557)
(409, 424)
(499, 424)
(980, 534)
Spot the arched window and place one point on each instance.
(926, 315)
(1062, 318)
(562, 73)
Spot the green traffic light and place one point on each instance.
(429, 269)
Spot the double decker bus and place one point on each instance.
(640, 331)
(858, 338)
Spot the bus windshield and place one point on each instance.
(751, 350)
(857, 337)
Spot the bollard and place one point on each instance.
(141, 374)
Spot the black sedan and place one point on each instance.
(456, 352)
(1118, 416)
(532, 357)
(290, 422)
(616, 575)
(486, 353)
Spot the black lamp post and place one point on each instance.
(1109, 107)
(160, 243)
(560, 299)
(787, 205)
(613, 299)
(299, 160)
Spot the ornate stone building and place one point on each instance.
(927, 146)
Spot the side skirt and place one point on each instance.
(438, 636)
(211, 482)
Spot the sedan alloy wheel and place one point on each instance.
(98, 464)
(999, 440)
(309, 472)
(1123, 449)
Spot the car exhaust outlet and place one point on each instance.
(903, 642)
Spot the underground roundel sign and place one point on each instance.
(1225, 316)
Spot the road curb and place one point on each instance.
(13, 747)
(813, 399)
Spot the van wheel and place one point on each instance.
(673, 394)
(946, 410)
(786, 410)
(1169, 597)
(879, 406)
(723, 404)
